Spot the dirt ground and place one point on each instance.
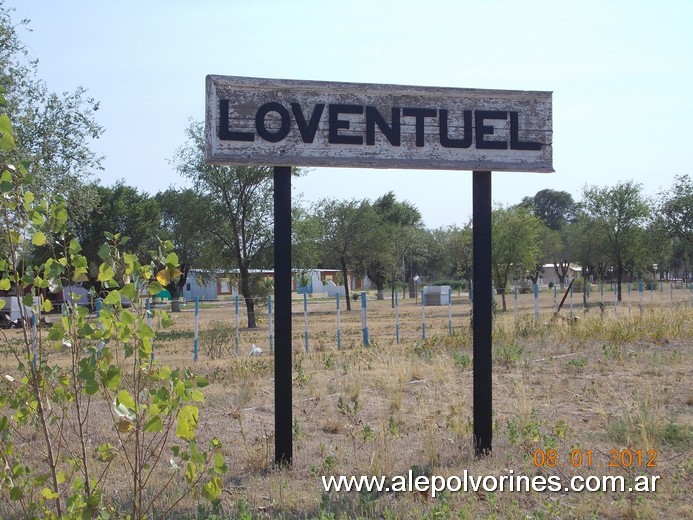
(612, 386)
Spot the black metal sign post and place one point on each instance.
(482, 311)
(283, 403)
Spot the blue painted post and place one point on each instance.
(305, 317)
(237, 326)
(571, 300)
(271, 327)
(364, 320)
(397, 316)
(516, 293)
(339, 326)
(197, 327)
(450, 312)
(536, 301)
(423, 316)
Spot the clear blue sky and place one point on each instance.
(621, 73)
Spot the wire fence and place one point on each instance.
(320, 323)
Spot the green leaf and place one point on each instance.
(46, 306)
(38, 239)
(154, 288)
(28, 199)
(105, 273)
(105, 453)
(113, 298)
(129, 291)
(6, 138)
(5, 284)
(190, 472)
(104, 251)
(56, 332)
(74, 247)
(198, 396)
(28, 300)
(212, 489)
(172, 259)
(126, 400)
(153, 425)
(112, 379)
(167, 322)
(220, 466)
(16, 493)
(202, 382)
(187, 422)
(49, 494)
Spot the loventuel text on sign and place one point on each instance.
(308, 123)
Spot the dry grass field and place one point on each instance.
(614, 381)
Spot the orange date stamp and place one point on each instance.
(624, 458)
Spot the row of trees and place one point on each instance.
(224, 223)
(224, 220)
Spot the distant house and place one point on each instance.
(548, 274)
(201, 285)
(207, 285)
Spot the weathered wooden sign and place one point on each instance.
(310, 123)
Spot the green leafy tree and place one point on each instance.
(181, 222)
(515, 245)
(620, 214)
(675, 209)
(393, 224)
(118, 209)
(554, 208)
(344, 228)
(82, 367)
(53, 131)
(239, 215)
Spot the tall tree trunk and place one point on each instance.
(346, 282)
(619, 279)
(248, 296)
(175, 288)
